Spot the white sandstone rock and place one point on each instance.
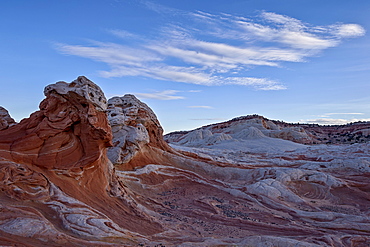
(83, 87)
(127, 116)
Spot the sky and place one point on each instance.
(194, 62)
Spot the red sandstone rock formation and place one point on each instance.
(55, 164)
(58, 187)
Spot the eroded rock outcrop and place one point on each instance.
(5, 119)
(134, 127)
(358, 132)
(240, 129)
(58, 187)
(69, 131)
(55, 163)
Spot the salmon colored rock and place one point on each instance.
(55, 164)
(68, 132)
(84, 171)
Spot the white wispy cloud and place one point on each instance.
(349, 30)
(326, 115)
(333, 121)
(219, 49)
(208, 119)
(124, 34)
(159, 8)
(330, 118)
(162, 95)
(344, 113)
(201, 106)
(280, 29)
(160, 72)
(290, 22)
(110, 53)
(256, 83)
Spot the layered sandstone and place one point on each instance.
(58, 187)
(55, 164)
(358, 132)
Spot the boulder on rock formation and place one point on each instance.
(135, 128)
(84, 171)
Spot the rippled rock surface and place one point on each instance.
(84, 171)
(57, 185)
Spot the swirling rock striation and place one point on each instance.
(54, 163)
(69, 131)
(238, 183)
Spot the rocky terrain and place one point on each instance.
(84, 171)
(239, 128)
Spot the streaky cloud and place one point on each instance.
(201, 106)
(333, 121)
(110, 53)
(163, 95)
(349, 30)
(219, 49)
(208, 119)
(124, 34)
(344, 113)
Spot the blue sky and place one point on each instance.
(194, 62)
